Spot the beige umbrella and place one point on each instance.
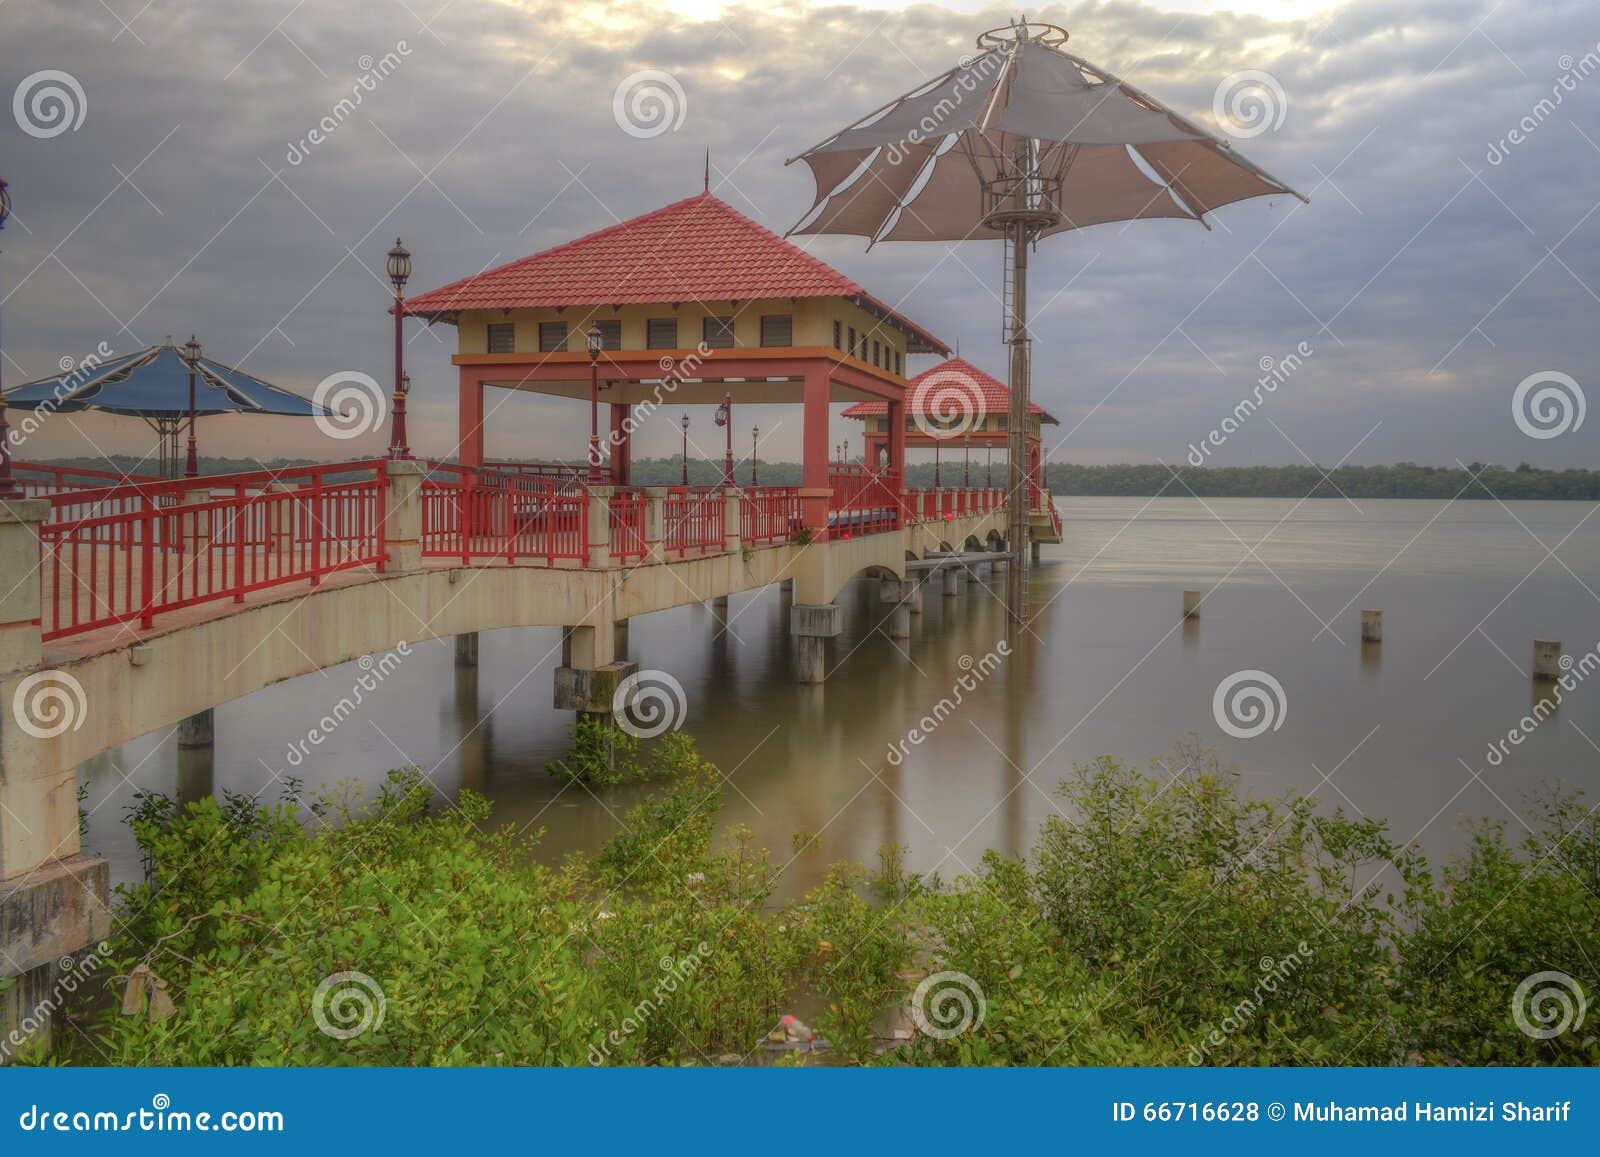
(1020, 140)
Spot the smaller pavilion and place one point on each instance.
(952, 406)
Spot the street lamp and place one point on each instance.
(399, 273)
(755, 440)
(684, 479)
(191, 356)
(8, 485)
(725, 419)
(594, 341)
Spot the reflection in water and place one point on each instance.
(1110, 672)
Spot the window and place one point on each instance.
(898, 365)
(1002, 421)
(838, 341)
(877, 348)
(852, 349)
(661, 333)
(502, 338)
(719, 333)
(610, 334)
(552, 337)
(911, 423)
(777, 329)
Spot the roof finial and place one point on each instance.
(708, 171)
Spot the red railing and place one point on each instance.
(693, 519)
(769, 514)
(125, 554)
(38, 480)
(628, 509)
(475, 512)
(863, 502)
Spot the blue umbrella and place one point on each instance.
(153, 384)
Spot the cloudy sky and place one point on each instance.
(1439, 264)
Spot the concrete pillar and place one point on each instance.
(914, 595)
(733, 504)
(655, 499)
(469, 422)
(814, 488)
(898, 594)
(402, 516)
(811, 627)
(19, 583)
(1372, 626)
(1546, 659)
(720, 604)
(467, 649)
(619, 638)
(599, 516)
(1191, 604)
(787, 586)
(952, 581)
(55, 912)
(1033, 549)
(198, 730)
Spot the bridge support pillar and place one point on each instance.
(898, 593)
(914, 598)
(952, 581)
(1033, 550)
(198, 730)
(47, 916)
(402, 516)
(467, 649)
(811, 627)
(619, 638)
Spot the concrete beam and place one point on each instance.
(590, 689)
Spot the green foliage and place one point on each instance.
(604, 755)
(1162, 918)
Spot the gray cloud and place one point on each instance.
(1422, 274)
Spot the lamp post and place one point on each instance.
(725, 419)
(8, 485)
(191, 355)
(936, 461)
(755, 440)
(988, 465)
(399, 274)
(683, 479)
(966, 461)
(594, 341)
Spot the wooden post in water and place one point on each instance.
(1546, 659)
(1191, 604)
(1372, 626)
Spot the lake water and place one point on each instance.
(1402, 730)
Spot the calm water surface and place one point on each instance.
(1400, 731)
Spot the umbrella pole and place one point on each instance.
(1017, 439)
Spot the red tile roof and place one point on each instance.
(699, 249)
(958, 382)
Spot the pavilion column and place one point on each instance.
(897, 454)
(469, 427)
(814, 488)
(621, 467)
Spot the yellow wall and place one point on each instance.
(813, 324)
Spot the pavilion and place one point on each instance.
(955, 404)
(693, 303)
